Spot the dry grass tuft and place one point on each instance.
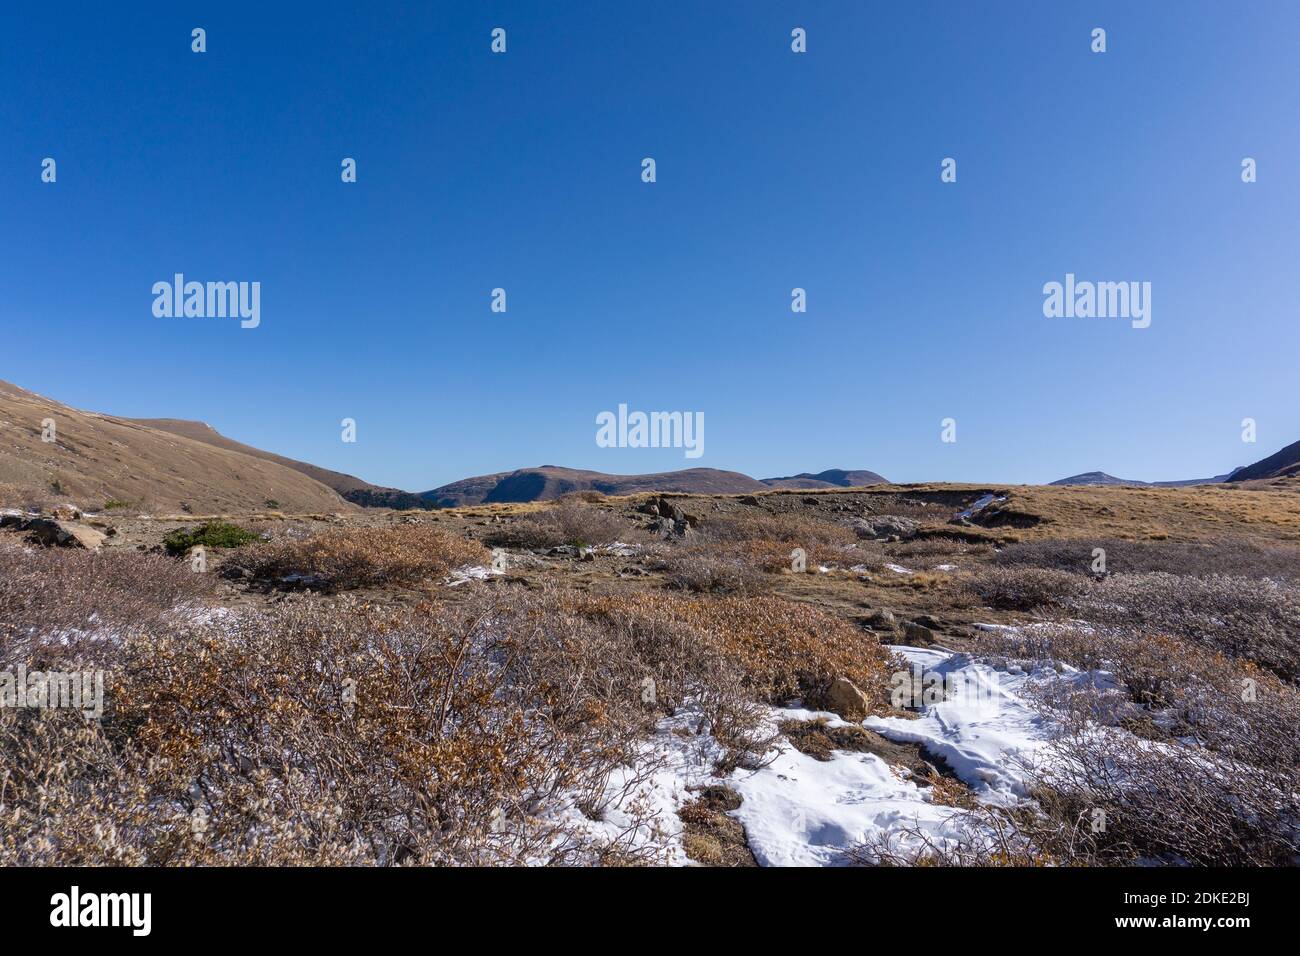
(778, 649)
(363, 557)
(48, 594)
(335, 734)
(1022, 588)
(573, 520)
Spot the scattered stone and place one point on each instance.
(885, 527)
(64, 534)
(881, 619)
(917, 635)
(847, 700)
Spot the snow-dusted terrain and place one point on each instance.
(800, 811)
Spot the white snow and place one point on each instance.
(800, 811)
(645, 816)
(987, 729)
(470, 572)
(898, 569)
(980, 504)
(621, 549)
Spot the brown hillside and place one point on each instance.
(349, 486)
(549, 481)
(101, 458)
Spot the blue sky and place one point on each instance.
(775, 170)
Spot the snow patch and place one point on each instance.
(800, 811)
(980, 504)
(470, 572)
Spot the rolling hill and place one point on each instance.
(97, 458)
(348, 486)
(551, 481)
(831, 478)
(1281, 464)
(1101, 478)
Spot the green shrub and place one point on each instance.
(210, 534)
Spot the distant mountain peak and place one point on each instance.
(1277, 465)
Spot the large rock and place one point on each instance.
(917, 635)
(63, 534)
(881, 619)
(847, 700)
(881, 527)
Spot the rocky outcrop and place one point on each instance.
(883, 527)
(51, 532)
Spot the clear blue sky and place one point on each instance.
(775, 170)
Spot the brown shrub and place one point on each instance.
(362, 557)
(766, 540)
(779, 649)
(938, 548)
(570, 521)
(591, 497)
(338, 733)
(793, 529)
(51, 596)
(335, 734)
(1246, 618)
(1209, 773)
(704, 568)
(1235, 556)
(1022, 588)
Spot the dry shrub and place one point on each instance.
(56, 593)
(778, 649)
(1022, 588)
(590, 496)
(570, 521)
(766, 540)
(362, 557)
(938, 549)
(1236, 556)
(1246, 618)
(795, 529)
(335, 732)
(1207, 774)
(704, 568)
(319, 734)
(977, 835)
